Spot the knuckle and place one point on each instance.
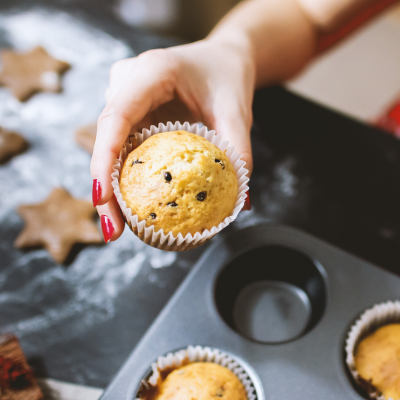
(106, 115)
(164, 64)
(150, 56)
(164, 60)
(120, 65)
(109, 118)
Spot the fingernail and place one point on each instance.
(247, 203)
(106, 227)
(96, 192)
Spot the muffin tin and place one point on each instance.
(280, 301)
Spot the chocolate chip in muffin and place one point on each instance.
(172, 204)
(220, 392)
(137, 162)
(220, 162)
(201, 196)
(167, 176)
(153, 215)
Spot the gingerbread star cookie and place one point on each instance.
(86, 136)
(57, 224)
(11, 144)
(17, 381)
(28, 73)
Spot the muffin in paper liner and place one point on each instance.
(168, 241)
(194, 354)
(372, 319)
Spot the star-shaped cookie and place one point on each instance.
(86, 136)
(28, 73)
(11, 144)
(57, 224)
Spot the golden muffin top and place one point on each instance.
(378, 359)
(179, 182)
(200, 381)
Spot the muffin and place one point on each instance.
(377, 360)
(200, 381)
(179, 182)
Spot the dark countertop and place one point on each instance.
(314, 169)
(339, 179)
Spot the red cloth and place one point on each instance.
(390, 121)
(330, 39)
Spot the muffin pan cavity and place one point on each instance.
(271, 294)
(278, 300)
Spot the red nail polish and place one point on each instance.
(247, 202)
(106, 227)
(96, 192)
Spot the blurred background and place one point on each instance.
(359, 77)
(72, 318)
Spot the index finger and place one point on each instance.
(151, 83)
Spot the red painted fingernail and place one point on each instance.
(96, 192)
(247, 203)
(106, 227)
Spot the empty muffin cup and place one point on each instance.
(370, 321)
(192, 354)
(167, 241)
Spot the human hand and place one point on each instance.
(210, 81)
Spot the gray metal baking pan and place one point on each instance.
(279, 300)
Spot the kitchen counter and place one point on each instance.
(314, 169)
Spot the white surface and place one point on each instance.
(361, 76)
(148, 13)
(68, 391)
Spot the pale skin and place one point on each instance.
(260, 42)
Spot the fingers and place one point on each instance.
(119, 73)
(233, 121)
(139, 88)
(112, 222)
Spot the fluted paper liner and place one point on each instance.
(168, 241)
(199, 354)
(372, 319)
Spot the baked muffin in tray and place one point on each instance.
(377, 360)
(373, 351)
(200, 373)
(200, 381)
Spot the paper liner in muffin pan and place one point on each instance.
(372, 319)
(194, 354)
(168, 241)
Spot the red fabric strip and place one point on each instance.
(326, 41)
(390, 121)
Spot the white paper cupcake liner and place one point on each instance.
(372, 319)
(168, 241)
(197, 354)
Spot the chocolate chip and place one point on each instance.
(152, 215)
(220, 392)
(220, 162)
(167, 176)
(137, 162)
(201, 196)
(172, 204)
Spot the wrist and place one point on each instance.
(233, 39)
(236, 43)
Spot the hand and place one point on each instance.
(211, 81)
